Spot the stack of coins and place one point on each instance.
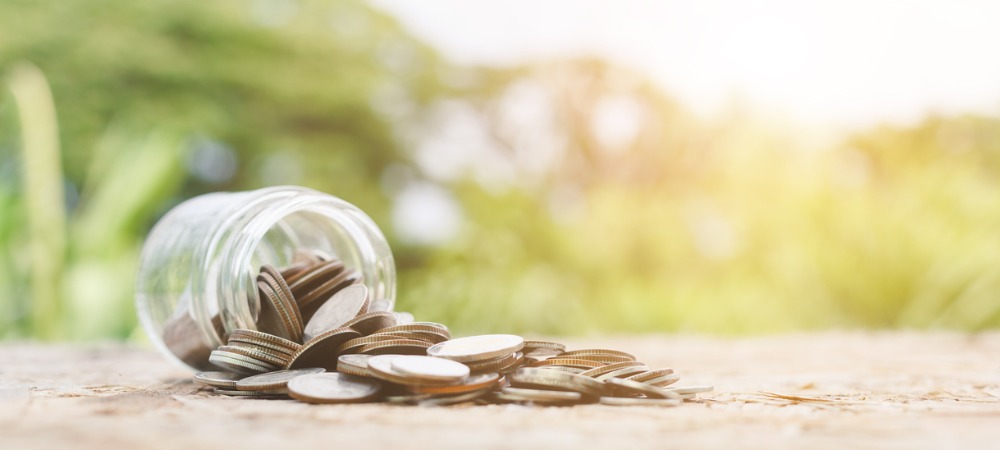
(321, 339)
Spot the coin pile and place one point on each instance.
(319, 340)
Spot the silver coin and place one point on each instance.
(429, 367)
(477, 348)
(225, 380)
(345, 305)
(333, 387)
(274, 380)
(639, 401)
(690, 390)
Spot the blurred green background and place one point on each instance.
(560, 196)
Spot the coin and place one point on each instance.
(396, 346)
(623, 372)
(321, 351)
(380, 366)
(428, 367)
(313, 278)
(477, 348)
(493, 365)
(333, 387)
(355, 344)
(354, 365)
(271, 358)
(598, 351)
(688, 390)
(543, 348)
(419, 328)
(342, 307)
(315, 299)
(663, 380)
(274, 380)
(239, 363)
(270, 394)
(623, 387)
(371, 322)
(470, 384)
(446, 399)
(225, 380)
(433, 338)
(598, 371)
(276, 316)
(640, 401)
(261, 339)
(286, 305)
(514, 394)
(556, 380)
(650, 374)
(568, 362)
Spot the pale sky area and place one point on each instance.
(836, 63)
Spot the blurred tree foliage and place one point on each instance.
(589, 200)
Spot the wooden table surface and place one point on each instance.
(857, 390)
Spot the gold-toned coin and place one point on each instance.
(620, 387)
(568, 362)
(476, 382)
(430, 368)
(321, 351)
(536, 378)
(597, 351)
(640, 401)
(274, 380)
(225, 380)
(333, 387)
(371, 322)
(335, 313)
(354, 365)
(598, 371)
(415, 335)
(396, 347)
(477, 348)
(513, 394)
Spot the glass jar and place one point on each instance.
(197, 270)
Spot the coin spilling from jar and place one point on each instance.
(320, 340)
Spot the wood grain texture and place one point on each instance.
(831, 390)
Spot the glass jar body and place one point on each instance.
(197, 270)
